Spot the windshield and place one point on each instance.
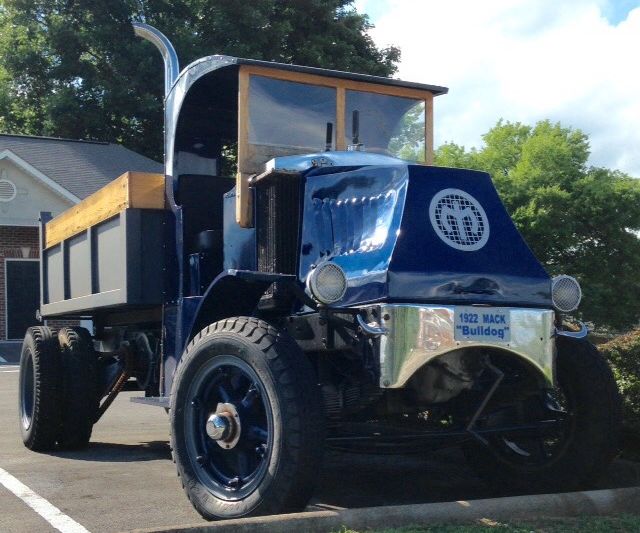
(390, 125)
(290, 114)
(290, 117)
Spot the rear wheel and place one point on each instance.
(79, 386)
(246, 421)
(39, 396)
(587, 410)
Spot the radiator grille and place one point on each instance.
(277, 227)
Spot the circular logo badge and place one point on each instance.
(459, 220)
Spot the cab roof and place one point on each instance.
(328, 73)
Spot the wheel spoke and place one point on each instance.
(222, 392)
(236, 381)
(250, 396)
(243, 464)
(256, 433)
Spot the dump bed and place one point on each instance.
(107, 251)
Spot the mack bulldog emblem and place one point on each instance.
(459, 220)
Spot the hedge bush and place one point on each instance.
(623, 354)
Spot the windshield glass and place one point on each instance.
(385, 124)
(298, 117)
(290, 114)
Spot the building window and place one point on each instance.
(7, 190)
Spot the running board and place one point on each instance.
(158, 401)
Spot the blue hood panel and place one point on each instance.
(419, 234)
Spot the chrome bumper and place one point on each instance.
(416, 334)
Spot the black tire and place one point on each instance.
(227, 358)
(39, 397)
(79, 387)
(591, 438)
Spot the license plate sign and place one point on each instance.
(483, 324)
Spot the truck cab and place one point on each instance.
(303, 277)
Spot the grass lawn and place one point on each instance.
(586, 524)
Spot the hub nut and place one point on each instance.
(223, 426)
(218, 427)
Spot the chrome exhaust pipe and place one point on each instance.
(163, 44)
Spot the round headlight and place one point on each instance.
(565, 293)
(327, 283)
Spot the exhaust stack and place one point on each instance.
(163, 44)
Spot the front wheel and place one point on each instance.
(246, 421)
(585, 406)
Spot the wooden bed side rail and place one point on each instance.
(142, 190)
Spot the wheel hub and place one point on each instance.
(223, 426)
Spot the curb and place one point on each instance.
(597, 502)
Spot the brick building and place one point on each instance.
(44, 174)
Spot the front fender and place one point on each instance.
(232, 293)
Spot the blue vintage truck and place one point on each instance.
(301, 277)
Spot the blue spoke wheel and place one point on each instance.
(233, 435)
(246, 421)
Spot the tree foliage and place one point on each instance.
(578, 220)
(623, 354)
(73, 68)
(408, 143)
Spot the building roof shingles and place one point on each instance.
(81, 167)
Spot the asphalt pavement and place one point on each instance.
(125, 479)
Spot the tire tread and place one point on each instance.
(80, 384)
(41, 344)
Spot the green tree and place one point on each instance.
(408, 143)
(73, 68)
(579, 220)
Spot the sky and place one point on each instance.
(572, 61)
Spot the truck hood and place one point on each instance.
(414, 233)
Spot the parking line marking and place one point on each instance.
(9, 371)
(46, 510)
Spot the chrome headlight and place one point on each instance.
(565, 293)
(327, 283)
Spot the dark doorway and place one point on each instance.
(23, 296)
